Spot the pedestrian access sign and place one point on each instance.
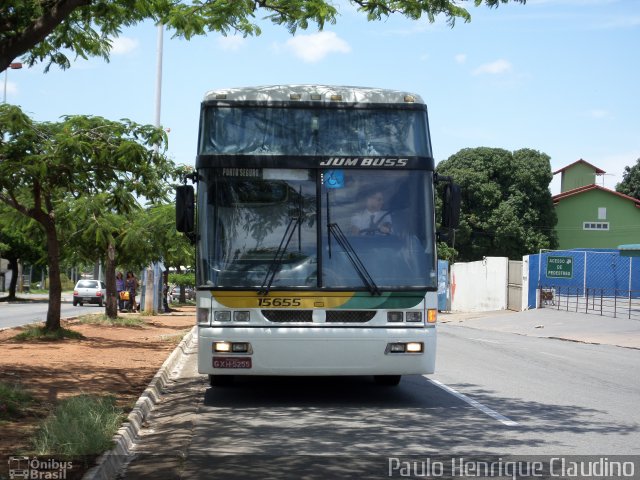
(560, 267)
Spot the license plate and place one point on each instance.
(231, 362)
(87, 299)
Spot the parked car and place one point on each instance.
(89, 291)
(174, 294)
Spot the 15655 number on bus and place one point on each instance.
(283, 302)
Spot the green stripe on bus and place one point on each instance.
(388, 300)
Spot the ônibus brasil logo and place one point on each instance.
(35, 468)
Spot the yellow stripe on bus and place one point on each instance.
(309, 300)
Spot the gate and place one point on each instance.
(514, 286)
(443, 285)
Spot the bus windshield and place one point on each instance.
(261, 228)
(314, 131)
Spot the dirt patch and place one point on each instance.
(110, 360)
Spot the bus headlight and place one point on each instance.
(240, 347)
(394, 317)
(396, 348)
(404, 347)
(414, 317)
(222, 316)
(241, 316)
(222, 347)
(231, 347)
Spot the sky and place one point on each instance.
(557, 76)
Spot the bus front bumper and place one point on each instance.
(314, 351)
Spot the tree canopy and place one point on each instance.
(48, 168)
(48, 30)
(506, 203)
(630, 184)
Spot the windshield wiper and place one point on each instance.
(294, 223)
(295, 220)
(359, 267)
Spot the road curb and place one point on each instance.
(110, 462)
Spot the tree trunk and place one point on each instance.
(149, 293)
(110, 279)
(55, 286)
(13, 266)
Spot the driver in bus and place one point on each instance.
(373, 220)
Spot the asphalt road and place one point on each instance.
(18, 314)
(495, 394)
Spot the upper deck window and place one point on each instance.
(269, 130)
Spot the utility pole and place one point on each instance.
(151, 292)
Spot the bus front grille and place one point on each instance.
(331, 316)
(350, 316)
(285, 316)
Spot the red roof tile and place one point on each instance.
(586, 188)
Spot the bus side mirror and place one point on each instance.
(451, 206)
(185, 211)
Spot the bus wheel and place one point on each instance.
(387, 380)
(220, 380)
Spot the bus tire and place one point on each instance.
(220, 380)
(387, 380)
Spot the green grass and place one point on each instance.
(39, 333)
(82, 425)
(14, 401)
(119, 321)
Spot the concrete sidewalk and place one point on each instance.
(552, 323)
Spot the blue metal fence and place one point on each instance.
(580, 279)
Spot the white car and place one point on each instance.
(189, 293)
(89, 291)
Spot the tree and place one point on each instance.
(506, 203)
(446, 252)
(46, 166)
(630, 184)
(44, 30)
(99, 234)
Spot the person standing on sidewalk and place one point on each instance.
(131, 285)
(119, 289)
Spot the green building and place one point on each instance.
(591, 216)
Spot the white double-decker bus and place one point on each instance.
(315, 233)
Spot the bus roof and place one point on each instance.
(320, 93)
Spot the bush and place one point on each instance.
(82, 425)
(14, 400)
(39, 333)
(101, 319)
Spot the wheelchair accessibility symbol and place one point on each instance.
(333, 178)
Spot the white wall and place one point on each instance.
(480, 286)
(525, 282)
